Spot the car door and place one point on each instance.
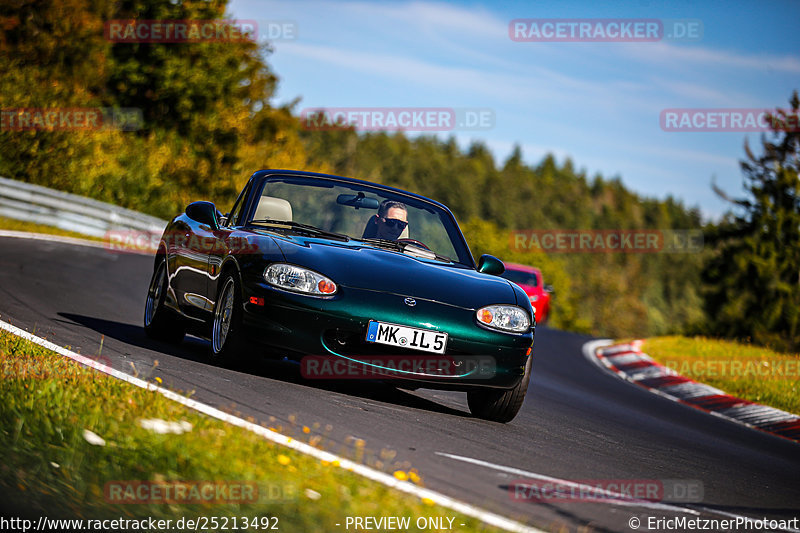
(223, 244)
(191, 268)
(176, 239)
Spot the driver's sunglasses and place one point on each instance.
(395, 223)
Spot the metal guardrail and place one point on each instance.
(42, 205)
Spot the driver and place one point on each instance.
(389, 222)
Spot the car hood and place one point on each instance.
(363, 266)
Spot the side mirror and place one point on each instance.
(548, 288)
(204, 213)
(489, 264)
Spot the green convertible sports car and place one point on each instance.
(354, 280)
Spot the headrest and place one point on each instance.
(273, 208)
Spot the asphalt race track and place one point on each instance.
(578, 422)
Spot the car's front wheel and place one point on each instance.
(161, 323)
(502, 405)
(227, 339)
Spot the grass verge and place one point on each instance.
(750, 372)
(30, 227)
(73, 442)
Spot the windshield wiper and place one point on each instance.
(289, 224)
(409, 247)
(384, 242)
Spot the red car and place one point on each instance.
(530, 280)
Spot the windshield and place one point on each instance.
(364, 213)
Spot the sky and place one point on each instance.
(597, 103)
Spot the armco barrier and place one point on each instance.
(34, 203)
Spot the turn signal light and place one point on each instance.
(326, 286)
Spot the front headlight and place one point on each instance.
(298, 279)
(509, 318)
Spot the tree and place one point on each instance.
(754, 275)
(207, 122)
(215, 95)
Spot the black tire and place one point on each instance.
(500, 405)
(160, 322)
(228, 343)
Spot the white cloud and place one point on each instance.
(678, 56)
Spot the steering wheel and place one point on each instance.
(414, 242)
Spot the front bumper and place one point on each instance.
(335, 328)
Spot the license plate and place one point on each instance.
(405, 337)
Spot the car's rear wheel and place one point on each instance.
(227, 339)
(502, 405)
(161, 323)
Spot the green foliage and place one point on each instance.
(207, 121)
(754, 277)
(51, 55)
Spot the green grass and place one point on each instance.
(747, 371)
(47, 466)
(30, 227)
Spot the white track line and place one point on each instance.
(614, 498)
(589, 351)
(278, 438)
